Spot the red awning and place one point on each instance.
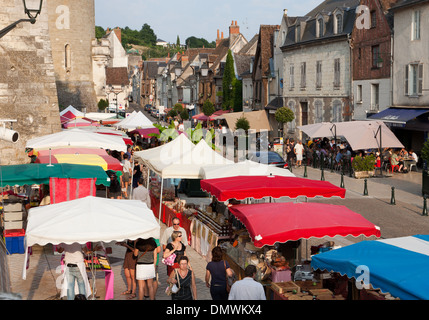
(257, 187)
(145, 132)
(268, 223)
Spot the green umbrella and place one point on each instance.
(38, 173)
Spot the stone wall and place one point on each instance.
(28, 91)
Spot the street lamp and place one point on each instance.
(116, 92)
(32, 9)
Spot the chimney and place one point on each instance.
(118, 33)
(285, 12)
(234, 29)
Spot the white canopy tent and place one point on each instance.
(189, 165)
(134, 121)
(89, 219)
(78, 138)
(73, 110)
(244, 168)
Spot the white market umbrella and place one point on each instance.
(78, 138)
(135, 120)
(90, 219)
(244, 168)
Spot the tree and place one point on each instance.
(208, 108)
(194, 42)
(425, 153)
(147, 35)
(242, 123)
(99, 32)
(284, 115)
(237, 92)
(103, 104)
(178, 42)
(184, 115)
(178, 107)
(228, 76)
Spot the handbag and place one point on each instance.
(229, 280)
(172, 287)
(169, 261)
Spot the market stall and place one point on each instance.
(90, 219)
(273, 236)
(258, 187)
(397, 266)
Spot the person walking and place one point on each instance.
(141, 193)
(126, 177)
(248, 288)
(75, 270)
(217, 272)
(176, 247)
(166, 236)
(184, 278)
(129, 268)
(145, 256)
(115, 186)
(299, 152)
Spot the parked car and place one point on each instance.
(147, 107)
(270, 158)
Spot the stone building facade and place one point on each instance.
(28, 90)
(72, 30)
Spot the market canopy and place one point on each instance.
(134, 121)
(160, 157)
(77, 138)
(90, 219)
(244, 168)
(258, 187)
(80, 122)
(361, 135)
(189, 165)
(268, 223)
(70, 113)
(37, 173)
(109, 131)
(397, 265)
(86, 156)
(145, 132)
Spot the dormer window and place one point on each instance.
(338, 23)
(297, 33)
(319, 28)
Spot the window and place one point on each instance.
(337, 76)
(67, 57)
(359, 94)
(292, 125)
(375, 93)
(319, 27)
(415, 26)
(373, 19)
(318, 108)
(318, 74)
(339, 22)
(336, 111)
(291, 76)
(303, 74)
(376, 60)
(414, 79)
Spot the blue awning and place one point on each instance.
(397, 265)
(398, 115)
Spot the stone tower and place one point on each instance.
(28, 91)
(72, 30)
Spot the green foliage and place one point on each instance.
(99, 32)
(193, 42)
(172, 113)
(227, 81)
(103, 104)
(284, 114)
(147, 35)
(208, 108)
(363, 163)
(242, 123)
(425, 151)
(237, 93)
(184, 115)
(178, 107)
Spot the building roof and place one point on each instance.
(264, 49)
(401, 4)
(117, 76)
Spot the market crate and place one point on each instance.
(309, 285)
(13, 215)
(316, 292)
(13, 206)
(285, 287)
(14, 241)
(10, 225)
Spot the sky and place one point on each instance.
(198, 18)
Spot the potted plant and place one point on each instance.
(363, 167)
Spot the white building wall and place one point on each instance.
(362, 107)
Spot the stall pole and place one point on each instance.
(131, 183)
(160, 201)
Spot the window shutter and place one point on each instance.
(406, 79)
(420, 79)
